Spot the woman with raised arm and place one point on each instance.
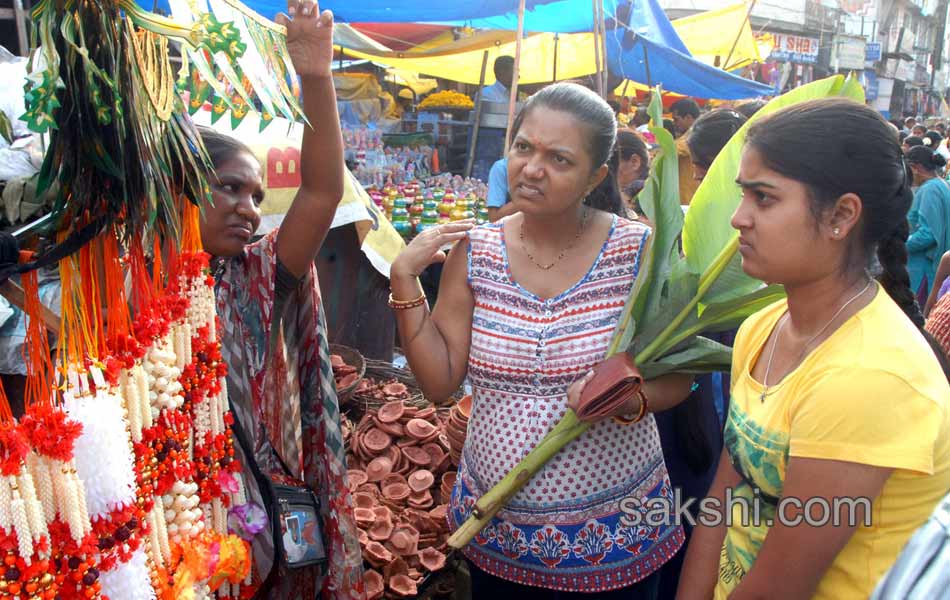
(272, 325)
(838, 436)
(526, 307)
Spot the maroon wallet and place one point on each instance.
(615, 380)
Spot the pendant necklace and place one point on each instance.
(768, 367)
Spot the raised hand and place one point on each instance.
(426, 248)
(309, 37)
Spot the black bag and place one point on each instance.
(294, 514)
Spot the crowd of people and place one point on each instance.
(839, 391)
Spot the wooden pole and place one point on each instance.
(513, 100)
(748, 15)
(598, 76)
(473, 140)
(557, 40)
(20, 15)
(17, 297)
(602, 23)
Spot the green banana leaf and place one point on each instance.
(6, 129)
(676, 298)
(707, 230)
(701, 355)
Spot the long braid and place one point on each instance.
(892, 254)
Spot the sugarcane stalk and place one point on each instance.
(488, 505)
(566, 430)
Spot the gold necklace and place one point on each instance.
(580, 230)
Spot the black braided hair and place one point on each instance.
(894, 278)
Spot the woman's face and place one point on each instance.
(550, 169)
(237, 191)
(628, 171)
(779, 240)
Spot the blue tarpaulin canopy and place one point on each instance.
(649, 51)
(644, 47)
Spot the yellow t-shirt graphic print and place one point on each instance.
(872, 393)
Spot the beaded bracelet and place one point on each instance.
(625, 420)
(406, 304)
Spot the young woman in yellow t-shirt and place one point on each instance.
(839, 402)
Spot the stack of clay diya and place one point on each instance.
(456, 427)
(398, 459)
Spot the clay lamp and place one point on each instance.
(444, 441)
(421, 480)
(449, 478)
(393, 479)
(376, 440)
(410, 412)
(435, 452)
(426, 413)
(394, 454)
(375, 586)
(420, 429)
(369, 488)
(465, 407)
(439, 513)
(362, 537)
(336, 361)
(427, 540)
(364, 516)
(418, 456)
(421, 500)
(404, 540)
(393, 429)
(403, 586)
(395, 389)
(381, 530)
(363, 500)
(397, 567)
(396, 492)
(377, 554)
(378, 468)
(391, 411)
(383, 513)
(355, 478)
(432, 559)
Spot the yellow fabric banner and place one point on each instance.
(711, 34)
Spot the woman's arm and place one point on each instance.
(943, 270)
(436, 344)
(921, 239)
(310, 44)
(701, 565)
(799, 554)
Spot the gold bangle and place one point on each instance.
(406, 304)
(626, 420)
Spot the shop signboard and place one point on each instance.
(794, 48)
(872, 51)
(849, 52)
